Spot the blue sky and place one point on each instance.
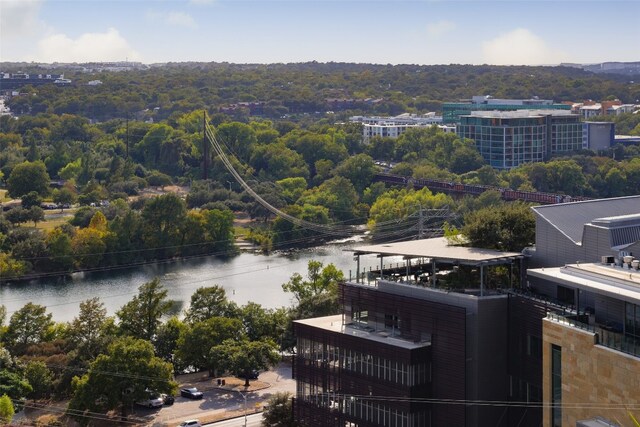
(528, 32)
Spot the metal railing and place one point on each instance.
(610, 339)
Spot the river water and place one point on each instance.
(246, 277)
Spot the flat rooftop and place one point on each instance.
(521, 113)
(615, 282)
(439, 249)
(334, 324)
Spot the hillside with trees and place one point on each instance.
(103, 148)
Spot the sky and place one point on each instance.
(425, 32)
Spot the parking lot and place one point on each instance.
(220, 402)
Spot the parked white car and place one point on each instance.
(190, 423)
(151, 402)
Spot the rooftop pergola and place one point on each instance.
(437, 251)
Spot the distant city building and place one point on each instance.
(9, 81)
(589, 109)
(626, 139)
(628, 68)
(598, 136)
(616, 110)
(453, 111)
(507, 139)
(393, 127)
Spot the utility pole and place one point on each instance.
(127, 155)
(205, 148)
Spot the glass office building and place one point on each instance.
(508, 139)
(453, 111)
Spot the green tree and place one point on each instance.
(59, 246)
(279, 412)
(29, 325)
(35, 214)
(241, 358)
(17, 215)
(158, 179)
(319, 280)
(13, 384)
(292, 188)
(277, 161)
(6, 409)
(195, 342)
(40, 378)
(88, 247)
(218, 225)
(162, 220)
(336, 194)
(381, 148)
(508, 227)
(32, 198)
(207, 302)
(358, 169)
(120, 377)
(27, 177)
(258, 322)
(140, 317)
(64, 196)
(239, 137)
(10, 267)
(87, 331)
(166, 341)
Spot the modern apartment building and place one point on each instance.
(453, 111)
(442, 335)
(591, 353)
(511, 138)
(393, 127)
(415, 345)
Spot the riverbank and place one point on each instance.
(246, 277)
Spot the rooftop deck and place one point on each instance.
(335, 324)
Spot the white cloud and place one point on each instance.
(520, 47)
(174, 19)
(108, 46)
(437, 29)
(19, 18)
(180, 19)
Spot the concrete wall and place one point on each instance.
(594, 378)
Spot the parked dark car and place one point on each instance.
(191, 393)
(167, 399)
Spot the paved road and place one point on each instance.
(254, 420)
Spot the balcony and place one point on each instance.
(606, 335)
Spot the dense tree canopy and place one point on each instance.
(27, 177)
(120, 377)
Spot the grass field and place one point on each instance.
(51, 223)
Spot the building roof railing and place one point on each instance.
(606, 338)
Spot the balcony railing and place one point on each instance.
(610, 339)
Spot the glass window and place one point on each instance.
(556, 386)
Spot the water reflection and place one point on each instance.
(246, 277)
